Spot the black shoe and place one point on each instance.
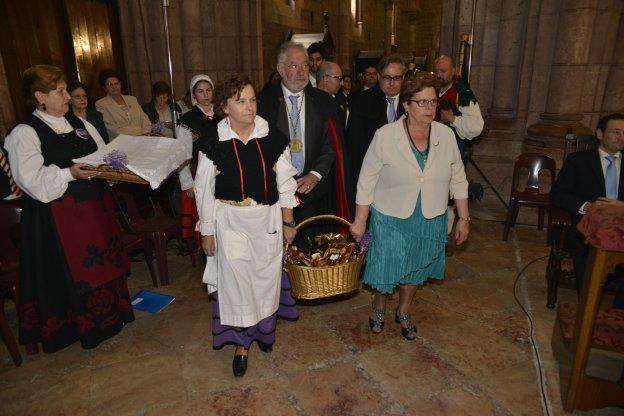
(408, 333)
(239, 365)
(265, 347)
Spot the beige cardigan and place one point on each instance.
(133, 122)
(391, 178)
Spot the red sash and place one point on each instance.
(91, 239)
(342, 208)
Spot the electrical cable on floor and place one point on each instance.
(531, 330)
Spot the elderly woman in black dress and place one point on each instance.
(72, 263)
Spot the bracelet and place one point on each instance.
(291, 224)
(467, 219)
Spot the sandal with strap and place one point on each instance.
(376, 323)
(409, 330)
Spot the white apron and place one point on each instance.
(246, 267)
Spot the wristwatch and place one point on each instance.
(291, 224)
(467, 219)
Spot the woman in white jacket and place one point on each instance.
(408, 173)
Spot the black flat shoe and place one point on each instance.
(408, 332)
(265, 347)
(239, 365)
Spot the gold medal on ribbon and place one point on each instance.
(296, 146)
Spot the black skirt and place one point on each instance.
(72, 284)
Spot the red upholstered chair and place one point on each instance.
(533, 194)
(156, 230)
(10, 213)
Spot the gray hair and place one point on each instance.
(391, 59)
(286, 47)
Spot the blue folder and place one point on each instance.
(151, 302)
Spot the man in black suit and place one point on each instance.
(594, 176)
(371, 110)
(300, 112)
(370, 78)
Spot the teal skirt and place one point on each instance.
(405, 251)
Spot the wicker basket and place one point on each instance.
(123, 175)
(323, 282)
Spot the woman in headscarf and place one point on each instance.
(195, 127)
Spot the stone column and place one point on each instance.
(602, 53)
(613, 100)
(567, 75)
(388, 26)
(510, 47)
(411, 18)
(245, 41)
(7, 115)
(342, 36)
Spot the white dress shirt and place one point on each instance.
(43, 183)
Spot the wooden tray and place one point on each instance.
(123, 175)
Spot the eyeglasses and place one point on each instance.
(388, 78)
(423, 103)
(113, 84)
(79, 97)
(296, 67)
(338, 77)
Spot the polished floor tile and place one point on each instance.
(472, 355)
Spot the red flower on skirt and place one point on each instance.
(52, 325)
(101, 301)
(84, 323)
(28, 316)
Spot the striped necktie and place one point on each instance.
(4, 164)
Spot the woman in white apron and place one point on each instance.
(245, 194)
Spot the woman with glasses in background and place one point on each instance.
(410, 169)
(79, 106)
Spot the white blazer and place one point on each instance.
(391, 179)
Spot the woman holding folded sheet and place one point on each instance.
(245, 192)
(72, 262)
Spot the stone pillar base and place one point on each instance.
(548, 135)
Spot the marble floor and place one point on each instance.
(472, 355)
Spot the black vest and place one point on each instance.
(59, 150)
(228, 180)
(201, 127)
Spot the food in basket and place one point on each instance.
(334, 254)
(328, 238)
(338, 253)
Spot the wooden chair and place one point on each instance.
(157, 230)
(559, 222)
(10, 213)
(532, 195)
(580, 328)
